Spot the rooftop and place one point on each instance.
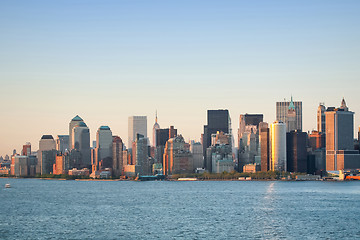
(77, 118)
(47, 137)
(104, 128)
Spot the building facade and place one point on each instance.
(278, 146)
(283, 114)
(340, 153)
(136, 125)
(296, 151)
(46, 143)
(217, 121)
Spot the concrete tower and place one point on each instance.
(278, 146)
(137, 125)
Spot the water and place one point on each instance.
(51, 209)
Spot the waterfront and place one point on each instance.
(43, 209)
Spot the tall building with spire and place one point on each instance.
(155, 127)
(340, 153)
(290, 113)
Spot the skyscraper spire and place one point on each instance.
(291, 105)
(156, 116)
(343, 105)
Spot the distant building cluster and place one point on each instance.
(261, 146)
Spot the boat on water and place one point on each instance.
(150, 178)
(7, 185)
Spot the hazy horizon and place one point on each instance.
(108, 60)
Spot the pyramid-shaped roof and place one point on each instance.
(77, 118)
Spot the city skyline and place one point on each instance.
(106, 62)
(93, 132)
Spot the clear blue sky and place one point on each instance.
(107, 60)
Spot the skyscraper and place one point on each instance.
(321, 118)
(286, 114)
(62, 143)
(137, 125)
(140, 155)
(340, 153)
(296, 151)
(217, 121)
(117, 148)
(46, 154)
(80, 140)
(264, 140)
(155, 127)
(72, 124)
(278, 146)
(104, 144)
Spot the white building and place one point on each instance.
(137, 124)
(278, 146)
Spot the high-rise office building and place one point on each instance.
(104, 144)
(117, 148)
(136, 125)
(296, 151)
(75, 121)
(321, 118)
(62, 143)
(46, 143)
(197, 154)
(290, 113)
(26, 151)
(81, 144)
(264, 140)
(278, 146)
(217, 121)
(340, 153)
(140, 155)
(155, 127)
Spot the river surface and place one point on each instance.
(52, 209)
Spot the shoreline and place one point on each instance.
(176, 180)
